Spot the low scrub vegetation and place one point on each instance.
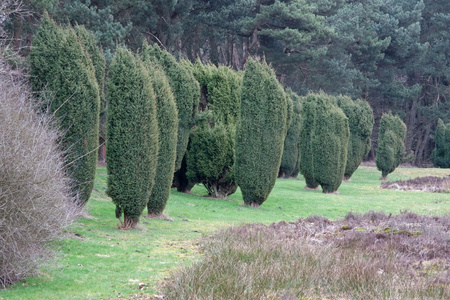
(424, 184)
(370, 256)
(97, 261)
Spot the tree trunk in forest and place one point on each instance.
(17, 32)
(422, 142)
(411, 124)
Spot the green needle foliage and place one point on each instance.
(391, 144)
(186, 91)
(441, 154)
(260, 133)
(210, 159)
(324, 141)
(89, 43)
(167, 115)
(132, 146)
(290, 162)
(210, 156)
(360, 121)
(63, 74)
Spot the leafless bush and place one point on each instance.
(374, 256)
(9, 8)
(35, 203)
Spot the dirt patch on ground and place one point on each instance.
(423, 184)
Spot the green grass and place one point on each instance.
(98, 261)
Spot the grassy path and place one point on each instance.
(97, 261)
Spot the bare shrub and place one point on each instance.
(375, 256)
(35, 205)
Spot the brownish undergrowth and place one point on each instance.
(371, 256)
(425, 184)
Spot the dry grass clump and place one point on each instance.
(35, 204)
(424, 184)
(371, 256)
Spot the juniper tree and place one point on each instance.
(210, 155)
(324, 141)
(89, 42)
(95, 53)
(441, 153)
(186, 91)
(62, 72)
(260, 132)
(132, 146)
(167, 116)
(290, 162)
(360, 121)
(391, 144)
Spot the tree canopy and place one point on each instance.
(392, 54)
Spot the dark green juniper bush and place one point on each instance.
(441, 154)
(132, 146)
(62, 74)
(391, 144)
(185, 90)
(290, 162)
(167, 115)
(324, 135)
(211, 153)
(260, 133)
(360, 122)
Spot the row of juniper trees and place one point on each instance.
(175, 123)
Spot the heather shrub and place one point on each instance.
(370, 256)
(35, 198)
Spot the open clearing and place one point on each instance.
(97, 261)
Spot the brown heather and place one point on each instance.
(373, 256)
(424, 184)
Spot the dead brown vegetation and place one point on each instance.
(370, 256)
(35, 204)
(423, 184)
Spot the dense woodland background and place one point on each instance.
(393, 53)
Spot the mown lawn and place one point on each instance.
(98, 261)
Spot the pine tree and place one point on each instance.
(63, 74)
(324, 135)
(167, 115)
(441, 153)
(260, 133)
(132, 146)
(290, 162)
(391, 144)
(360, 121)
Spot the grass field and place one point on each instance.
(97, 261)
